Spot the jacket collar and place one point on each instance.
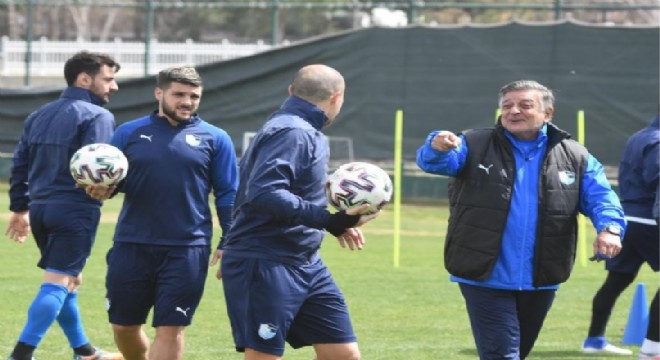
(306, 110)
(77, 93)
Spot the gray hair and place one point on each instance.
(185, 74)
(547, 98)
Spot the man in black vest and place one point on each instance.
(515, 193)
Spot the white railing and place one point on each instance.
(49, 56)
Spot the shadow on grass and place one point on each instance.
(552, 354)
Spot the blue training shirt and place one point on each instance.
(51, 135)
(281, 205)
(171, 172)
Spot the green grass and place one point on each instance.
(411, 312)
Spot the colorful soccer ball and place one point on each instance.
(98, 164)
(359, 183)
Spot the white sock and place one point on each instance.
(650, 347)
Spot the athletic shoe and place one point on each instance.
(598, 345)
(100, 355)
(11, 358)
(645, 356)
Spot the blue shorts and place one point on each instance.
(641, 244)
(168, 278)
(64, 234)
(270, 303)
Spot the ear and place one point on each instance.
(290, 89)
(549, 112)
(334, 98)
(158, 93)
(84, 80)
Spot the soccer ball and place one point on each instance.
(358, 183)
(98, 164)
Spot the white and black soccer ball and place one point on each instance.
(358, 183)
(98, 164)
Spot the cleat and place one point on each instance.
(598, 345)
(100, 355)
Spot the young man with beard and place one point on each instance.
(162, 241)
(44, 199)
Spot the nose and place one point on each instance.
(187, 100)
(114, 87)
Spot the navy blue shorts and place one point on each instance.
(270, 303)
(64, 234)
(168, 278)
(641, 244)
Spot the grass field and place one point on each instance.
(407, 313)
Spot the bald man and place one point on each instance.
(277, 288)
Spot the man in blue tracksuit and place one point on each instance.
(514, 197)
(162, 241)
(277, 288)
(44, 196)
(639, 171)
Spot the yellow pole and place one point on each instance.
(582, 221)
(398, 168)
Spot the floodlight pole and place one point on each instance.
(27, 80)
(412, 12)
(275, 23)
(558, 7)
(147, 36)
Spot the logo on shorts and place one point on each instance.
(267, 331)
(184, 312)
(566, 177)
(107, 304)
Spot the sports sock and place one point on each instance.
(22, 351)
(650, 347)
(42, 313)
(604, 300)
(71, 323)
(653, 332)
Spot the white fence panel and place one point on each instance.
(49, 56)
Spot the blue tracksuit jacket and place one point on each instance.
(281, 204)
(639, 172)
(171, 172)
(51, 135)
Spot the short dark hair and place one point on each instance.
(87, 62)
(185, 74)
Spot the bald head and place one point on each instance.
(317, 83)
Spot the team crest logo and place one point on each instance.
(566, 177)
(193, 140)
(267, 331)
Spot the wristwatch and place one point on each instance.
(613, 229)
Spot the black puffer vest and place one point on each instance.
(480, 200)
